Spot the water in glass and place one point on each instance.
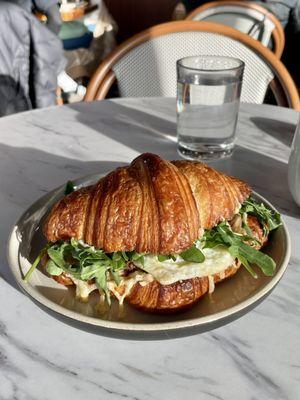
(207, 114)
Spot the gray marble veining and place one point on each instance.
(254, 358)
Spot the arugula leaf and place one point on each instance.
(235, 252)
(238, 248)
(245, 226)
(56, 254)
(53, 269)
(89, 272)
(36, 263)
(162, 258)
(101, 281)
(193, 254)
(268, 218)
(115, 276)
(118, 261)
(262, 260)
(125, 256)
(134, 256)
(70, 187)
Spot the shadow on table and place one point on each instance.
(282, 131)
(27, 174)
(143, 132)
(264, 174)
(138, 130)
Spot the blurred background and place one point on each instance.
(49, 50)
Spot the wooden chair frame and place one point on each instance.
(282, 86)
(277, 34)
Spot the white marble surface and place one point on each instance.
(256, 357)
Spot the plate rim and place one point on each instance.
(14, 265)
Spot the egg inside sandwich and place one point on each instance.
(158, 235)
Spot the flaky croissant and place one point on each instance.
(177, 296)
(151, 206)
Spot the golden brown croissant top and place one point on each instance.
(150, 206)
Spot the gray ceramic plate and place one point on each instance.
(230, 300)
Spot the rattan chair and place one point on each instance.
(145, 65)
(249, 18)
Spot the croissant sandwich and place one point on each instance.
(157, 234)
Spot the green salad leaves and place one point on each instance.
(268, 218)
(237, 247)
(239, 244)
(84, 262)
(70, 187)
(193, 254)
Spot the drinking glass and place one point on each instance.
(294, 166)
(208, 98)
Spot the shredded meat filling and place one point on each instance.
(130, 267)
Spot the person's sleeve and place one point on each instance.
(44, 5)
(295, 16)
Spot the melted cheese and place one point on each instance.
(83, 289)
(167, 272)
(211, 284)
(216, 261)
(126, 284)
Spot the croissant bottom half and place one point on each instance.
(158, 298)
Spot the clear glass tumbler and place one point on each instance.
(294, 166)
(208, 98)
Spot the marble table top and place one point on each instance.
(256, 357)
